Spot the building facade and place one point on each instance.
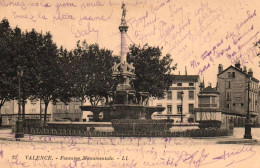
(233, 85)
(67, 111)
(210, 114)
(33, 109)
(181, 98)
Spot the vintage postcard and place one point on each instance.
(129, 83)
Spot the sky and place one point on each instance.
(198, 34)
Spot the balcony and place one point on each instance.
(207, 105)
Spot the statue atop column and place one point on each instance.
(123, 22)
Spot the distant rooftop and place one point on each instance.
(237, 68)
(209, 89)
(185, 78)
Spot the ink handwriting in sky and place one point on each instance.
(199, 35)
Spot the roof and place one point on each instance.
(232, 112)
(208, 90)
(239, 70)
(223, 110)
(185, 78)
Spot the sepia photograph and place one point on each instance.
(129, 84)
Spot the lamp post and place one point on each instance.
(181, 105)
(248, 123)
(19, 123)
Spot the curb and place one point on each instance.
(198, 141)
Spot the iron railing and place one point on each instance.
(211, 132)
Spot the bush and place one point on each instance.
(209, 124)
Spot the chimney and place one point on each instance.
(201, 86)
(244, 69)
(220, 68)
(250, 72)
(185, 70)
(237, 64)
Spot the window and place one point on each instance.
(66, 107)
(179, 84)
(213, 100)
(76, 107)
(191, 95)
(242, 104)
(228, 105)
(229, 74)
(179, 109)
(33, 108)
(58, 108)
(229, 96)
(191, 107)
(179, 95)
(191, 84)
(169, 109)
(169, 95)
(233, 74)
(228, 84)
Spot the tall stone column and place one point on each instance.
(123, 30)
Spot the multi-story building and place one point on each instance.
(210, 113)
(233, 86)
(33, 109)
(181, 98)
(258, 117)
(208, 98)
(67, 111)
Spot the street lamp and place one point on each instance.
(19, 123)
(248, 123)
(181, 105)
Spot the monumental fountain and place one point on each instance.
(127, 106)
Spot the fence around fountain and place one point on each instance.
(105, 129)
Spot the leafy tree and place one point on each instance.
(13, 54)
(153, 70)
(6, 70)
(47, 70)
(91, 72)
(66, 76)
(257, 44)
(100, 73)
(28, 50)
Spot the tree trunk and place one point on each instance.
(1, 105)
(107, 99)
(23, 108)
(45, 111)
(0, 115)
(91, 100)
(40, 110)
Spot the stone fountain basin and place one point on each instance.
(123, 111)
